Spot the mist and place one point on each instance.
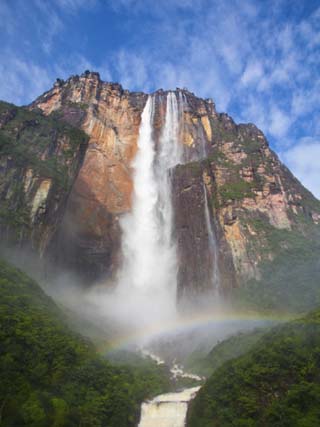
(139, 307)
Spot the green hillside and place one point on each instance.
(277, 383)
(230, 348)
(50, 376)
(290, 281)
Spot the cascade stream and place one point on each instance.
(169, 409)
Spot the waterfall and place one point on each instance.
(212, 241)
(170, 147)
(170, 154)
(140, 228)
(213, 247)
(149, 268)
(167, 410)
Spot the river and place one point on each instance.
(169, 409)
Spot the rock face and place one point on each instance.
(195, 275)
(89, 237)
(249, 192)
(39, 160)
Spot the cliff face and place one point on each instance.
(249, 192)
(111, 117)
(39, 160)
(256, 203)
(89, 238)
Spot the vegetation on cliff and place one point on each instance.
(39, 159)
(274, 384)
(290, 279)
(51, 376)
(237, 190)
(31, 140)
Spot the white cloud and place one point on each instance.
(252, 73)
(255, 111)
(285, 38)
(44, 20)
(159, 8)
(280, 122)
(310, 33)
(71, 6)
(133, 70)
(303, 160)
(305, 101)
(23, 80)
(256, 64)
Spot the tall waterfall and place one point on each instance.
(149, 270)
(170, 154)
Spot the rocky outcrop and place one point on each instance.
(249, 189)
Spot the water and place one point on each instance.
(169, 155)
(213, 247)
(147, 279)
(141, 231)
(167, 410)
(143, 300)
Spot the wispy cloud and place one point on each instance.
(7, 21)
(25, 80)
(50, 25)
(259, 61)
(252, 73)
(280, 122)
(303, 160)
(22, 80)
(71, 6)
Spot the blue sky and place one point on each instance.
(258, 60)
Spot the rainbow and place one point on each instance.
(187, 323)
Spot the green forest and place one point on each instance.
(275, 384)
(51, 376)
(229, 348)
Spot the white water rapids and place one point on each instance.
(167, 410)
